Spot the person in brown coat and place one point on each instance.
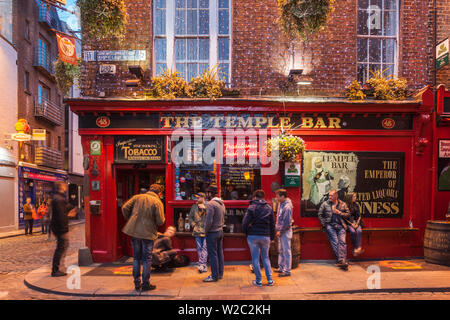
(144, 213)
(28, 216)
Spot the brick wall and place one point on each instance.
(443, 32)
(261, 56)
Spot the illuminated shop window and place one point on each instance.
(192, 36)
(377, 37)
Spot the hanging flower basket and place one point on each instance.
(289, 147)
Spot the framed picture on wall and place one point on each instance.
(443, 166)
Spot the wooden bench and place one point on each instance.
(364, 229)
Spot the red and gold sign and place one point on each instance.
(103, 122)
(388, 123)
(22, 126)
(66, 47)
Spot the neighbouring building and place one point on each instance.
(381, 149)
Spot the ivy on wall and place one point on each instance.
(65, 74)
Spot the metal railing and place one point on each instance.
(48, 157)
(49, 110)
(43, 59)
(48, 16)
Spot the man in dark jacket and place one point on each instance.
(331, 214)
(215, 217)
(60, 226)
(259, 225)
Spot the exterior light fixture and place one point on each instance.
(139, 74)
(294, 72)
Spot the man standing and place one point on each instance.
(144, 213)
(331, 214)
(60, 226)
(284, 233)
(215, 217)
(28, 216)
(197, 219)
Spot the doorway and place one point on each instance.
(130, 182)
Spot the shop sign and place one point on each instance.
(140, 149)
(292, 174)
(114, 55)
(66, 49)
(39, 135)
(442, 54)
(96, 147)
(103, 122)
(20, 137)
(376, 177)
(107, 69)
(444, 148)
(444, 166)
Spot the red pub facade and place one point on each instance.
(381, 150)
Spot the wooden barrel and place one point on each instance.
(436, 246)
(295, 249)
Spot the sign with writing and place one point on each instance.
(107, 69)
(66, 49)
(21, 137)
(444, 148)
(292, 174)
(139, 149)
(443, 169)
(39, 135)
(114, 55)
(96, 148)
(376, 177)
(442, 54)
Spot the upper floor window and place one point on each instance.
(6, 19)
(377, 37)
(43, 93)
(192, 36)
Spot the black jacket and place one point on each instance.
(259, 220)
(59, 209)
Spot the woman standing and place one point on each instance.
(197, 218)
(354, 223)
(43, 216)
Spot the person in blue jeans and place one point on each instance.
(354, 223)
(284, 233)
(215, 218)
(259, 225)
(197, 219)
(331, 216)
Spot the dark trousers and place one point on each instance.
(142, 256)
(29, 226)
(214, 244)
(44, 227)
(62, 243)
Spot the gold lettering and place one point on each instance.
(270, 124)
(182, 122)
(230, 122)
(260, 121)
(307, 122)
(285, 122)
(217, 122)
(320, 124)
(334, 123)
(167, 121)
(245, 123)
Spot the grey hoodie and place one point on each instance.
(284, 216)
(215, 215)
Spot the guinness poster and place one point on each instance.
(140, 149)
(376, 177)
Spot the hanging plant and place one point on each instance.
(290, 148)
(207, 85)
(65, 75)
(304, 17)
(103, 19)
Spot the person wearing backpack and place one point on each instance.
(259, 225)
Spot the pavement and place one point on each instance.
(310, 280)
(36, 230)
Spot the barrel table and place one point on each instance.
(295, 249)
(436, 246)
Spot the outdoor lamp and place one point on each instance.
(293, 72)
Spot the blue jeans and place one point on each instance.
(356, 236)
(202, 252)
(336, 235)
(214, 244)
(142, 254)
(284, 249)
(257, 245)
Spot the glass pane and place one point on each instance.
(224, 49)
(160, 22)
(390, 4)
(160, 68)
(223, 3)
(180, 49)
(191, 22)
(203, 22)
(375, 50)
(389, 50)
(238, 181)
(223, 21)
(192, 50)
(192, 3)
(160, 3)
(204, 4)
(390, 23)
(362, 73)
(181, 69)
(389, 69)
(363, 4)
(378, 3)
(362, 49)
(192, 71)
(180, 22)
(224, 71)
(374, 20)
(203, 48)
(180, 4)
(373, 68)
(362, 22)
(202, 68)
(160, 49)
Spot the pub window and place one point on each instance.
(197, 173)
(377, 37)
(192, 36)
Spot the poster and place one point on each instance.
(444, 166)
(141, 149)
(377, 177)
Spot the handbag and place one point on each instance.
(34, 215)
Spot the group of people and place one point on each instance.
(30, 214)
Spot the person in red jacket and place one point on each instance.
(43, 216)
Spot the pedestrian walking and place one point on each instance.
(259, 225)
(28, 216)
(215, 217)
(43, 216)
(60, 226)
(197, 219)
(354, 223)
(144, 214)
(331, 216)
(284, 233)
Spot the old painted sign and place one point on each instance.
(139, 149)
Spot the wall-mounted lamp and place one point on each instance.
(139, 74)
(294, 72)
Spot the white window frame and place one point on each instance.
(382, 37)
(213, 36)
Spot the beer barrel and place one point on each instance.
(295, 249)
(436, 246)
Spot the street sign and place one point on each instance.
(21, 137)
(442, 54)
(39, 135)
